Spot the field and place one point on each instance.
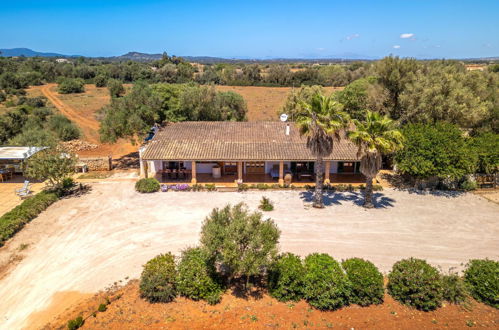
(81, 245)
(264, 103)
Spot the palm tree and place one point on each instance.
(322, 121)
(375, 136)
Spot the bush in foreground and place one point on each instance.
(243, 242)
(326, 285)
(285, 278)
(197, 278)
(366, 281)
(482, 276)
(415, 283)
(11, 222)
(454, 288)
(157, 282)
(147, 185)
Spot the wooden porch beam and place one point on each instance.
(146, 168)
(194, 173)
(326, 172)
(240, 171)
(281, 172)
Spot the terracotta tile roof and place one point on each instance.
(236, 141)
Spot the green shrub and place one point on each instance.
(210, 187)
(197, 278)
(147, 185)
(416, 283)
(36, 102)
(326, 286)
(285, 278)
(266, 204)
(76, 323)
(197, 187)
(115, 87)
(102, 308)
(454, 289)
(482, 276)
(100, 80)
(157, 282)
(262, 186)
(14, 220)
(70, 85)
(242, 187)
(366, 281)
(63, 128)
(468, 184)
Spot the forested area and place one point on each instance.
(35, 125)
(448, 116)
(133, 115)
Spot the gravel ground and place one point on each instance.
(87, 243)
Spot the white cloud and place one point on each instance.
(353, 36)
(406, 35)
(396, 46)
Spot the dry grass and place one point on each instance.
(264, 103)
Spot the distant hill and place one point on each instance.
(145, 57)
(29, 53)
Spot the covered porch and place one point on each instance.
(298, 173)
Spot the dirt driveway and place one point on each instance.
(82, 245)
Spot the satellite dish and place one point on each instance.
(284, 117)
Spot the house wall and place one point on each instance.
(334, 167)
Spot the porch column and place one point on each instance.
(240, 171)
(281, 172)
(193, 173)
(146, 168)
(326, 172)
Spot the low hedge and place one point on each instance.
(147, 185)
(482, 277)
(285, 278)
(415, 283)
(326, 286)
(157, 281)
(366, 281)
(455, 290)
(14, 220)
(197, 278)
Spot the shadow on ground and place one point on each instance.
(336, 198)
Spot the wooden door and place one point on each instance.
(255, 167)
(348, 167)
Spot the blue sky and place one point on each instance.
(257, 29)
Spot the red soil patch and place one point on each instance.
(82, 109)
(129, 311)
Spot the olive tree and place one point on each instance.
(53, 165)
(241, 241)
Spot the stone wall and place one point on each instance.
(97, 163)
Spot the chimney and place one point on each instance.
(287, 129)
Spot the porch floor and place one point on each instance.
(228, 180)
